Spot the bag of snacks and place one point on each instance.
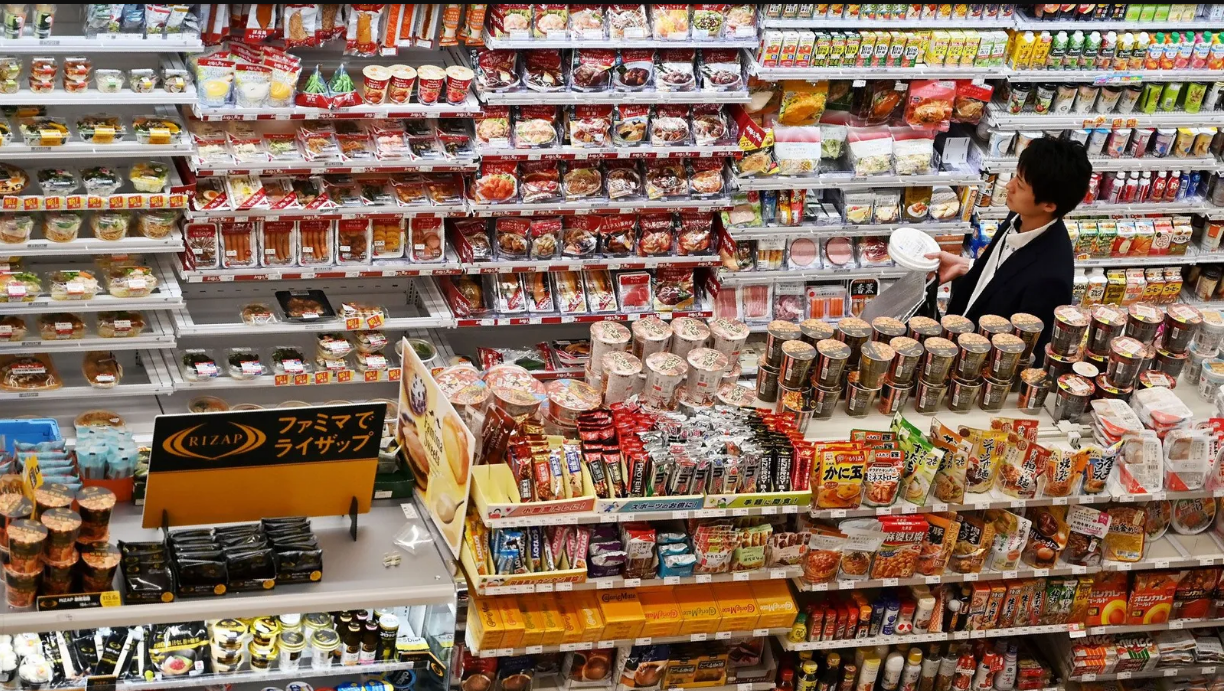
(971, 100)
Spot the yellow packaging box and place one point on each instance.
(554, 628)
(590, 617)
(956, 43)
(736, 606)
(569, 620)
(698, 608)
(487, 627)
(512, 618)
(661, 612)
(937, 48)
(622, 613)
(532, 607)
(776, 605)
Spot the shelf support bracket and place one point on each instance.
(353, 518)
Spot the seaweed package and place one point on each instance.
(179, 649)
(1087, 528)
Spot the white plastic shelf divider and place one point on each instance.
(141, 378)
(215, 312)
(446, 210)
(103, 43)
(528, 43)
(846, 230)
(657, 640)
(353, 577)
(998, 117)
(757, 277)
(621, 582)
(1190, 258)
(270, 380)
(303, 167)
(523, 98)
(1208, 163)
(158, 333)
(1190, 206)
(166, 296)
(469, 107)
(846, 181)
(132, 244)
(571, 264)
(703, 311)
(83, 152)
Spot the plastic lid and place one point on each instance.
(908, 247)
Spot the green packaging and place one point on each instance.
(1132, 12)
(1162, 13)
(1147, 13)
(1150, 98)
(1168, 99)
(1195, 91)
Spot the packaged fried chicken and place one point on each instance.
(929, 102)
(545, 234)
(511, 236)
(496, 183)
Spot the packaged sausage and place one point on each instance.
(239, 244)
(279, 243)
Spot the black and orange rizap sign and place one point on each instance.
(247, 465)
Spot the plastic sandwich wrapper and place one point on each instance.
(907, 247)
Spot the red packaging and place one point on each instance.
(656, 235)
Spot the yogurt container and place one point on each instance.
(1211, 332)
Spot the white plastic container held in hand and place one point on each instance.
(907, 247)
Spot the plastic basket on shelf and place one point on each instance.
(31, 431)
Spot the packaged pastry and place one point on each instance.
(12, 329)
(120, 324)
(61, 326)
(16, 228)
(72, 285)
(20, 286)
(198, 364)
(102, 369)
(131, 281)
(28, 373)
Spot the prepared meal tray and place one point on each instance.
(65, 180)
(344, 141)
(101, 369)
(304, 305)
(328, 192)
(505, 182)
(198, 364)
(588, 70)
(593, 291)
(100, 129)
(21, 373)
(577, 23)
(604, 126)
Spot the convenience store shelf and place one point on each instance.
(756, 277)
(216, 310)
(528, 43)
(158, 333)
(262, 677)
(997, 115)
(1158, 673)
(388, 269)
(524, 98)
(847, 181)
(302, 167)
(774, 74)
(1188, 259)
(598, 645)
(166, 296)
(270, 379)
(860, 23)
(1104, 209)
(102, 43)
(910, 639)
(1023, 23)
(93, 97)
(142, 376)
(354, 577)
(83, 151)
(373, 211)
(1208, 163)
(621, 582)
(1103, 76)
(469, 107)
(599, 206)
(554, 318)
(572, 153)
(132, 244)
(571, 264)
(846, 230)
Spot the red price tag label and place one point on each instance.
(157, 201)
(281, 380)
(93, 202)
(301, 379)
(374, 321)
(76, 201)
(31, 203)
(115, 201)
(394, 374)
(135, 201)
(352, 323)
(344, 376)
(322, 377)
(53, 203)
(178, 201)
(371, 375)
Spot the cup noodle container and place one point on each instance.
(431, 80)
(650, 335)
(569, 398)
(606, 337)
(622, 377)
(736, 396)
(458, 80)
(664, 374)
(908, 247)
(687, 334)
(514, 390)
(1211, 378)
(728, 336)
(403, 78)
(705, 371)
(465, 389)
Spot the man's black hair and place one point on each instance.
(1058, 171)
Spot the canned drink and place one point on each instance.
(825, 400)
(937, 362)
(906, 358)
(922, 328)
(831, 359)
(687, 334)
(874, 362)
(606, 337)
(994, 394)
(664, 374)
(927, 396)
(622, 377)
(766, 381)
(1006, 352)
(1033, 390)
(650, 335)
(1143, 321)
(777, 333)
(893, 397)
(885, 329)
(814, 331)
(954, 325)
(971, 358)
(991, 324)
(963, 394)
(1106, 324)
(797, 359)
(728, 336)
(705, 371)
(1070, 322)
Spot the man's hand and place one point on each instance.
(950, 265)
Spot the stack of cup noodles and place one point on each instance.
(685, 363)
(512, 391)
(1106, 351)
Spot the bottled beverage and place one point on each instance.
(786, 680)
(1172, 188)
(369, 644)
(912, 670)
(809, 677)
(1158, 187)
(1132, 186)
(894, 665)
(849, 674)
(930, 669)
(1145, 186)
(983, 679)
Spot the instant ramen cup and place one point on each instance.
(96, 505)
(62, 527)
(99, 563)
(26, 540)
(57, 575)
(21, 588)
(458, 80)
(430, 81)
(52, 496)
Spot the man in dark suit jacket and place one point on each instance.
(1029, 265)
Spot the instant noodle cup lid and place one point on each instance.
(730, 329)
(1184, 314)
(667, 364)
(817, 329)
(1213, 321)
(1075, 385)
(736, 395)
(908, 247)
(573, 394)
(1149, 314)
(1071, 316)
(609, 332)
(1033, 376)
(1126, 347)
(101, 556)
(710, 360)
